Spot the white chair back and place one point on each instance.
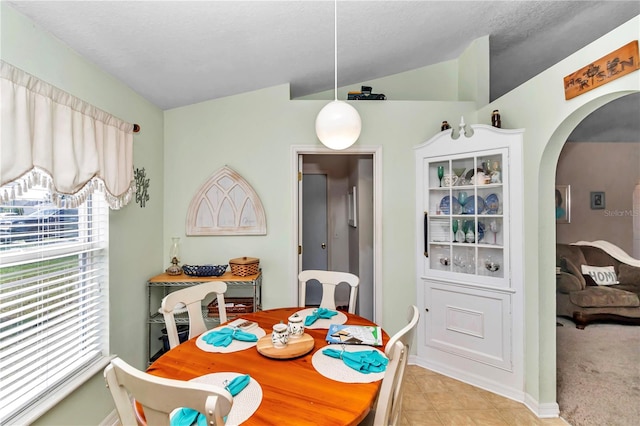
(389, 403)
(192, 298)
(159, 396)
(329, 281)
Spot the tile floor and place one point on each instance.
(432, 399)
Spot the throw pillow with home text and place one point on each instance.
(602, 275)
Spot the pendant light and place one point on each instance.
(338, 124)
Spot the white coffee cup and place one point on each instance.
(280, 335)
(449, 180)
(296, 326)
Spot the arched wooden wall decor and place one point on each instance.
(226, 205)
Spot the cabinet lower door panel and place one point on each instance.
(469, 322)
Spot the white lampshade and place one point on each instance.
(338, 125)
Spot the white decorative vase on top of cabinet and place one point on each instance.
(469, 257)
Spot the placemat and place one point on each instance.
(336, 369)
(323, 322)
(244, 404)
(234, 346)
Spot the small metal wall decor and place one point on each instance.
(495, 119)
(142, 186)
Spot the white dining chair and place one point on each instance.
(191, 298)
(159, 396)
(389, 402)
(329, 281)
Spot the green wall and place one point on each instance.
(539, 107)
(252, 133)
(136, 234)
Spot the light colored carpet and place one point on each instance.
(598, 374)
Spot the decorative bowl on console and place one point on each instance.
(204, 270)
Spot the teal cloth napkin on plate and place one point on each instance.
(236, 385)
(189, 416)
(363, 361)
(319, 313)
(225, 336)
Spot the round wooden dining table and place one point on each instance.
(293, 392)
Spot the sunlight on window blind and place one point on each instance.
(53, 295)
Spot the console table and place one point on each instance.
(248, 288)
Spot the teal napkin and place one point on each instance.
(363, 361)
(319, 313)
(225, 336)
(236, 385)
(189, 416)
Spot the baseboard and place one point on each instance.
(544, 411)
(112, 419)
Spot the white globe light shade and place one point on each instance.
(338, 125)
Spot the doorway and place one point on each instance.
(350, 246)
(616, 148)
(541, 325)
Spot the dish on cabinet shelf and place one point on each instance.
(474, 205)
(471, 173)
(445, 204)
(439, 230)
(492, 203)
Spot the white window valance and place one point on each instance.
(53, 138)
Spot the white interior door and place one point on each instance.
(314, 230)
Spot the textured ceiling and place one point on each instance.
(177, 53)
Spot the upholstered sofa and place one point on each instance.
(581, 298)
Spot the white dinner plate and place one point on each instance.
(234, 346)
(340, 318)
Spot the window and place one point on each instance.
(54, 310)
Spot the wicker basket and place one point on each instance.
(234, 306)
(244, 266)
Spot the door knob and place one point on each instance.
(323, 245)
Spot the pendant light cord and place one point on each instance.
(335, 48)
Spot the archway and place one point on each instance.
(546, 181)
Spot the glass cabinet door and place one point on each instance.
(464, 223)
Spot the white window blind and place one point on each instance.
(54, 310)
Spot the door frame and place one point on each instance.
(296, 259)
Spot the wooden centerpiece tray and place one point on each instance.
(295, 348)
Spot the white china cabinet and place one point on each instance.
(469, 217)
